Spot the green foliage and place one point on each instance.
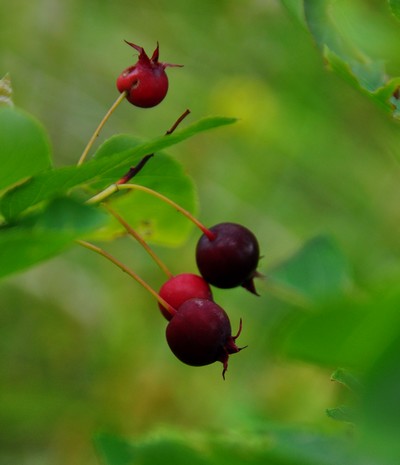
(318, 271)
(46, 234)
(395, 8)
(84, 351)
(25, 152)
(156, 220)
(58, 181)
(363, 72)
(24, 149)
(273, 445)
(347, 379)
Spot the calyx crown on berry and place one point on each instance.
(153, 61)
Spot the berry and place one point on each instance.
(181, 288)
(230, 258)
(146, 83)
(200, 334)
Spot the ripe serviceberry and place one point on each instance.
(145, 83)
(230, 258)
(200, 334)
(181, 288)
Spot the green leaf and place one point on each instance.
(269, 445)
(369, 73)
(114, 450)
(6, 92)
(24, 149)
(350, 332)
(380, 403)
(45, 235)
(318, 271)
(160, 450)
(342, 413)
(361, 71)
(99, 171)
(395, 8)
(348, 379)
(155, 220)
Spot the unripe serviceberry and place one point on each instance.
(145, 83)
(230, 258)
(181, 288)
(200, 334)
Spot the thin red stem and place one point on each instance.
(211, 236)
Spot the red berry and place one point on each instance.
(229, 259)
(146, 83)
(200, 334)
(181, 288)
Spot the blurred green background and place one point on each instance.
(82, 347)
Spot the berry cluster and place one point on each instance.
(198, 331)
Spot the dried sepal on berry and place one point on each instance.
(146, 82)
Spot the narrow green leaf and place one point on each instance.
(46, 235)
(6, 92)
(99, 171)
(24, 147)
(318, 271)
(348, 379)
(343, 413)
(395, 8)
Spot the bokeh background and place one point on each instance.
(82, 347)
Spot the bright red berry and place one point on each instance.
(200, 334)
(146, 83)
(230, 258)
(181, 288)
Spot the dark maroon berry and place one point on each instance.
(146, 83)
(229, 259)
(181, 288)
(200, 334)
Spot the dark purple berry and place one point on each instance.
(146, 83)
(181, 288)
(230, 259)
(200, 334)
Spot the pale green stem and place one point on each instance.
(111, 189)
(100, 127)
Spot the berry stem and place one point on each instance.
(134, 170)
(127, 270)
(177, 122)
(100, 127)
(140, 239)
(167, 200)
